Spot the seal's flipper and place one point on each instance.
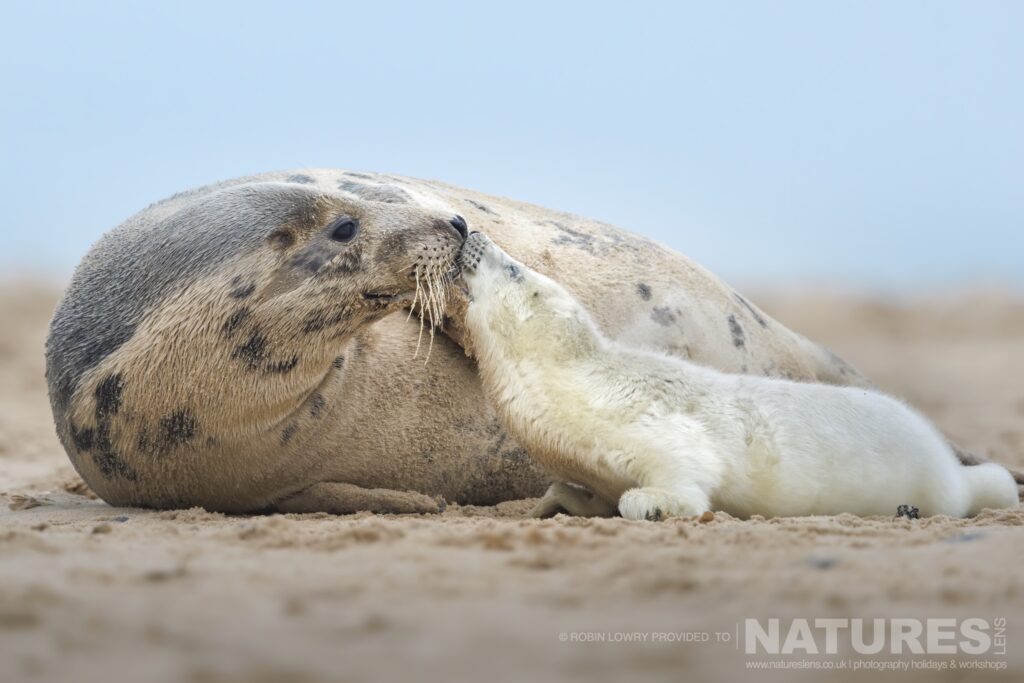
(969, 459)
(343, 499)
(573, 501)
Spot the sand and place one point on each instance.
(89, 592)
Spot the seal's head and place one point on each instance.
(327, 252)
(512, 306)
(211, 315)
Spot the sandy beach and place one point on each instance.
(94, 593)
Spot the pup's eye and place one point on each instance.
(343, 230)
(514, 272)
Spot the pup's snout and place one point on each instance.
(472, 251)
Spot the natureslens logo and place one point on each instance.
(879, 644)
(893, 636)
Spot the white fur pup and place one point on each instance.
(657, 436)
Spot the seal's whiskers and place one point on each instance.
(417, 298)
(433, 281)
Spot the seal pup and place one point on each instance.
(656, 436)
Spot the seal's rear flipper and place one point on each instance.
(343, 499)
(572, 500)
(990, 486)
(969, 459)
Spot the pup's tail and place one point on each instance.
(990, 486)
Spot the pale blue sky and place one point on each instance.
(868, 143)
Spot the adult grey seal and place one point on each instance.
(245, 346)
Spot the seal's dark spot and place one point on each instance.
(108, 404)
(288, 432)
(253, 351)
(840, 364)
(282, 367)
(244, 291)
(388, 194)
(317, 321)
(301, 178)
(480, 207)
(110, 465)
(663, 315)
(495, 448)
(108, 396)
(339, 362)
(178, 428)
(738, 336)
(82, 438)
(316, 405)
(515, 457)
(348, 261)
(580, 240)
(108, 462)
(144, 443)
(234, 320)
(281, 238)
(313, 257)
(320, 319)
(644, 291)
(364, 176)
(753, 311)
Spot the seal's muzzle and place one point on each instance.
(472, 252)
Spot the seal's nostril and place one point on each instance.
(459, 223)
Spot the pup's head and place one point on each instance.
(510, 302)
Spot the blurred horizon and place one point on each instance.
(866, 145)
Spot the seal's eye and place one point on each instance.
(343, 230)
(514, 272)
